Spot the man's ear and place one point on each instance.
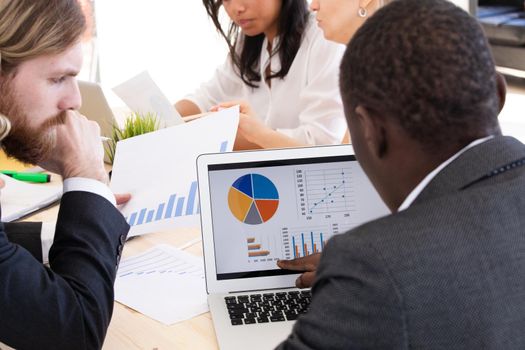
(502, 89)
(374, 133)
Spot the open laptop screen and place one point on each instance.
(264, 211)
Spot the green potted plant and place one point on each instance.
(136, 124)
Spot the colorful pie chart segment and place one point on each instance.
(253, 199)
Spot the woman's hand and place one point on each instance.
(244, 107)
(252, 132)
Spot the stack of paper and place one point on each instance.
(164, 283)
(20, 198)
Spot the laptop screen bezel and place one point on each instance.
(229, 160)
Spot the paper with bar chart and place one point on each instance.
(158, 169)
(164, 283)
(263, 214)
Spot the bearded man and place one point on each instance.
(68, 304)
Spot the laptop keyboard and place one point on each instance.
(267, 307)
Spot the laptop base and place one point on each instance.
(258, 336)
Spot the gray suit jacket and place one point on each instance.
(447, 273)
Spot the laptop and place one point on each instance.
(261, 206)
(95, 107)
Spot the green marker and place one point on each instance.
(29, 177)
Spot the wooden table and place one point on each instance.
(132, 330)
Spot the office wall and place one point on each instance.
(173, 40)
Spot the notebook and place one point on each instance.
(20, 198)
(261, 206)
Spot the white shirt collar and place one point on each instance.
(421, 186)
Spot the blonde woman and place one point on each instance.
(339, 20)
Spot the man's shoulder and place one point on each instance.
(437, 227)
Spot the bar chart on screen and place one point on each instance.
(303, 241)
(263, 248)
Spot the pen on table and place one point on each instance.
(29, 177)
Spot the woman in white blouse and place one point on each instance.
(340, 19)
(281, 70)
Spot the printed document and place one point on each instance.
(141, 94)
(164, 283)
(159, 171)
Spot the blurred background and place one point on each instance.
(177, 43)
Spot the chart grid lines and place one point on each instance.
(325, 191)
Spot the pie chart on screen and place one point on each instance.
(253, 199)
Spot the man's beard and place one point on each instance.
(28, 144)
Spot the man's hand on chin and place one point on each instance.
(78, 151)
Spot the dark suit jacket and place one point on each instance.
(69, 305)
(447, 273)
(27, 235)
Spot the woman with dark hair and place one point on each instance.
(282, 72)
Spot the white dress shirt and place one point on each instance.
(305, 105)
(421, 186)
(72, 184)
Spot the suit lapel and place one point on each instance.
(473, 164)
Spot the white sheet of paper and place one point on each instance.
(164, 283)
(159, 171)
(141, 94)
(20, 198)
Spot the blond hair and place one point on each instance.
(29, 29)
(384, 2)
(5, 126)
